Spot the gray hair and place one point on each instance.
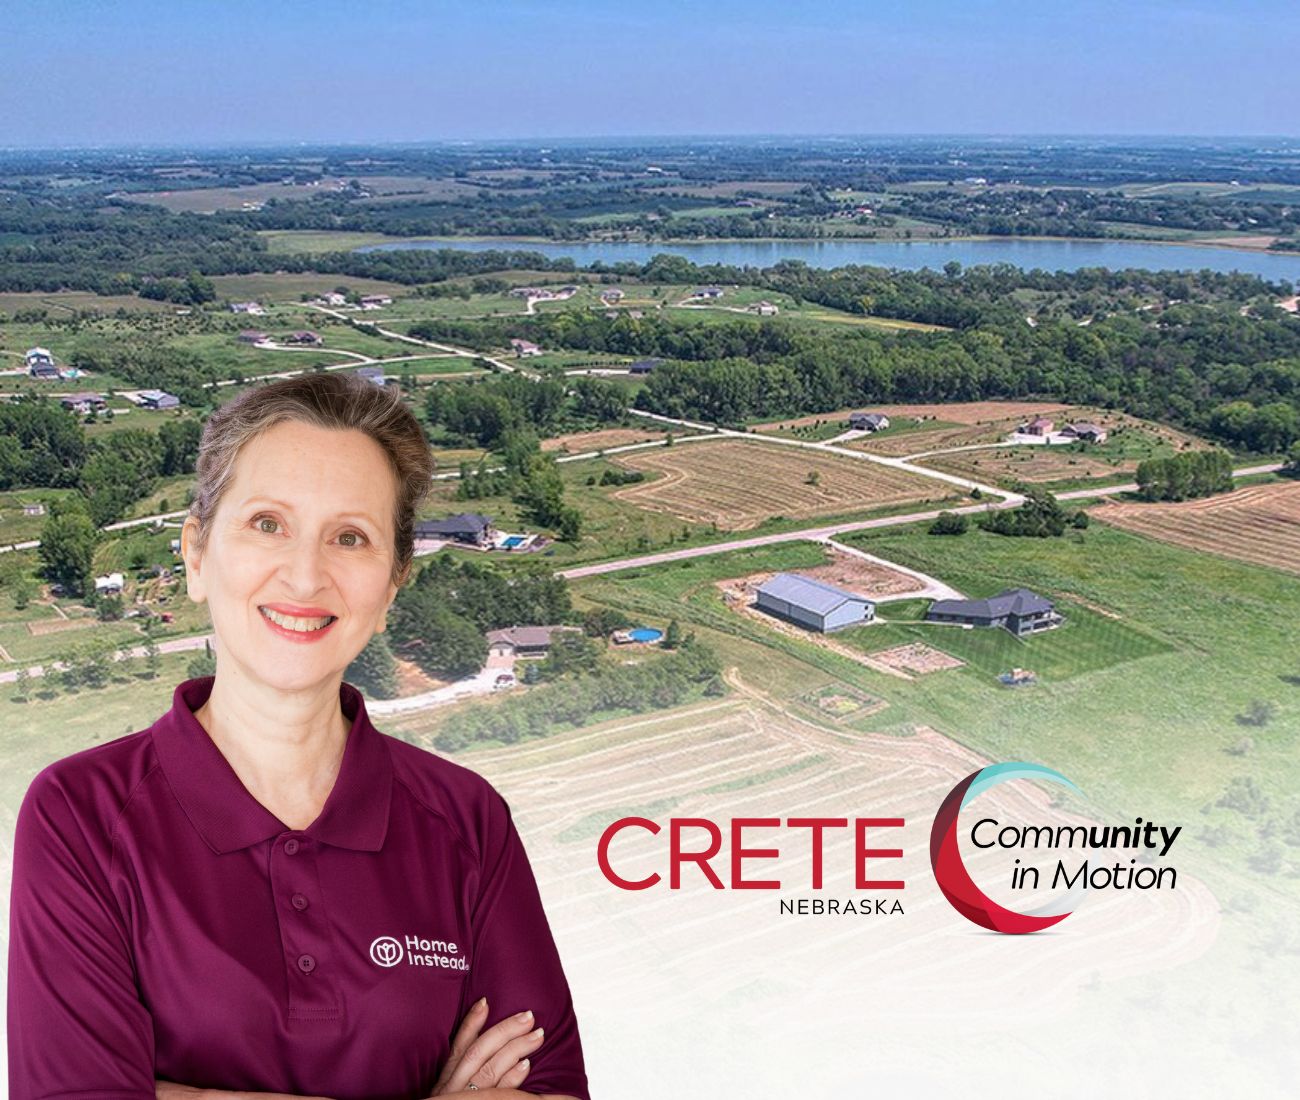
(337, 400)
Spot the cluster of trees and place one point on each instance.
(1040, 516)
(146, 361)
(441, 618)
(491, 411)
(193, 290)
(1265, 429)
(613, 476)
(1186, 475)
(1077, 212)
(591, 696)
(43, 446)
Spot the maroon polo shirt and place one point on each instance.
(163, 923)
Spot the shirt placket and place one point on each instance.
(304, 931)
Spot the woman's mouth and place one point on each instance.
(299, 629)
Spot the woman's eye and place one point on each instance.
(263, 520)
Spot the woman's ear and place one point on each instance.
(193, 560)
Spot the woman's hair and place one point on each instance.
(338, 400)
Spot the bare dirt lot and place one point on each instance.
(917, 657)
(737, 484)
(582, 442)
(1259, 524)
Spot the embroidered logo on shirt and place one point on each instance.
(389, 951)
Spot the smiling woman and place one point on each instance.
(241, 897)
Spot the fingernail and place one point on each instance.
(481, 1003)
(523, 1062)
(538, 1033)
(527, 1014)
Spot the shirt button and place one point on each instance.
(299, 901)
(306, 964)
(291, 846)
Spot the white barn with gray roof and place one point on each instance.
(813, 604)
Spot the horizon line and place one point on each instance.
(680, 138)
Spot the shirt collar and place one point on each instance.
(228, 817)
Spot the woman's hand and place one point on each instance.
(495, 1059)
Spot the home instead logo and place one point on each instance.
(975, 905)
(388, 951)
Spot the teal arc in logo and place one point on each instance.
(950, 869)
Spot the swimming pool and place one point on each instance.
(645, 634)
(512, 541)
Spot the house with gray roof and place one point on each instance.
(470, 528)
(868, 422)
(1015, 609)
(524, 641)
(812, 603)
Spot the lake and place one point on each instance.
(1052, 255)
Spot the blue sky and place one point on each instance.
(190, 71)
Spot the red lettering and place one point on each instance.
(862, 852)
(702, 858)
(817, 824)
(602, 853)
(738, 853)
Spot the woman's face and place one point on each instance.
(304, 530)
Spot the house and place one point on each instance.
(1085, 431)
(812, 603)
(333, 298)
(305, 337)
(374, 301)
(707, 292)
(764, 309)
(643, 366)
(82, 403)
(375, 374)
(37, 509)
(157, 399)
(868, 422)
(40, 363)
(254, 308)
(612, 295)
(525, 348)
(528, 292)
(523, 641)
(253, 336)
(1015, 609)
(175, 546)
(109, 584)
(1040, 425)
(466, 527)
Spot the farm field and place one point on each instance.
(293, 242)
(208, 200)
(957, 413)
(579, 442)
(1259, 524)
(740, 757)
(64, 303)
(283, 286)
(737, 484)
(1130, 441)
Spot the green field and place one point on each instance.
(1141, 694)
